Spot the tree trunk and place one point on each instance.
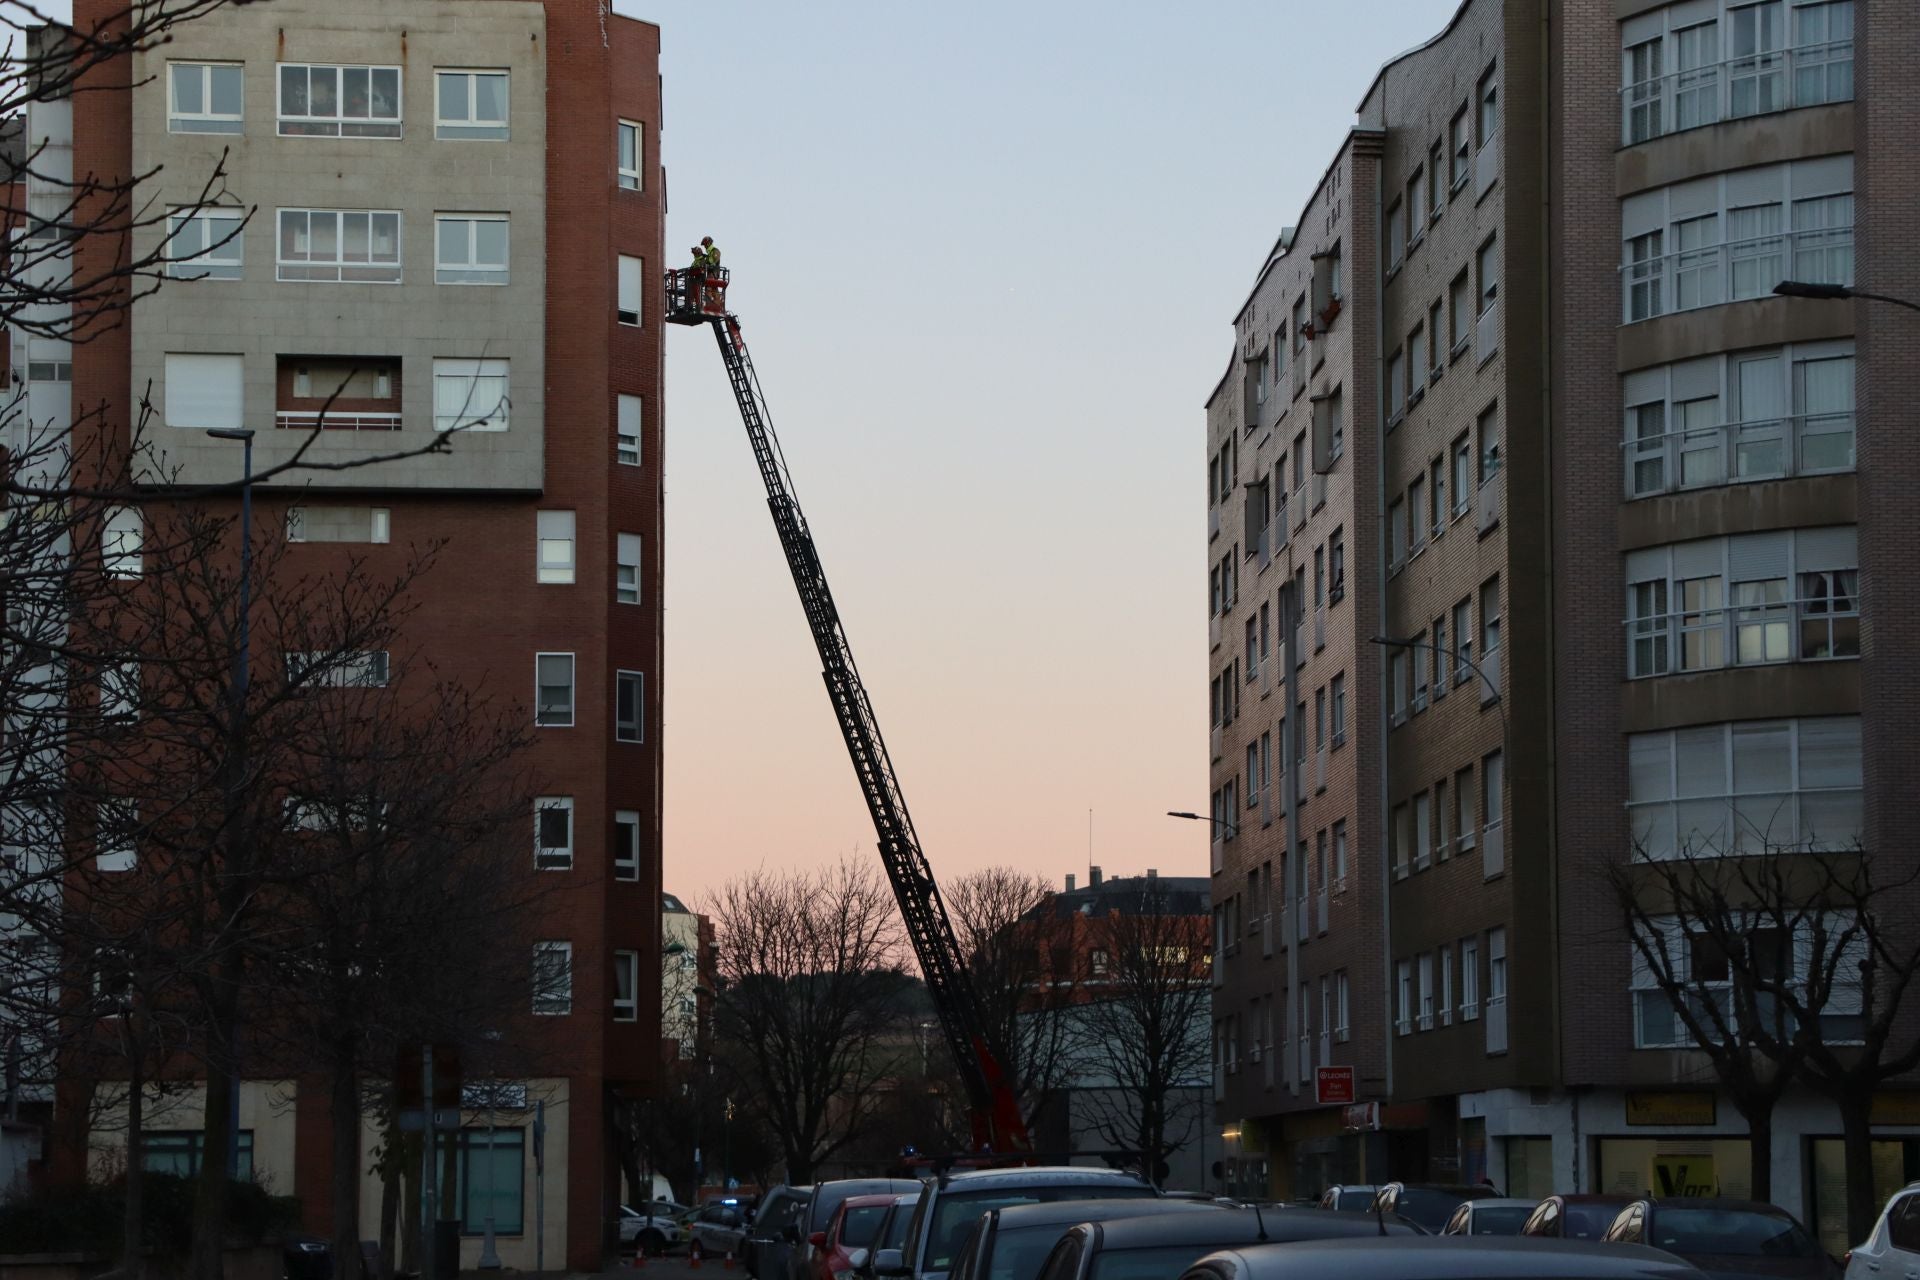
(345, 1109)
(1856, 1130)
(133, 1231)
(1760, 1145)
(210, 1198)
(410, 1205)
(389, 1215)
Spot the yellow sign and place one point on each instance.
(1896, 1108)
(1682, 1176)
(1669, 1108)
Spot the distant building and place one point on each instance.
(687, 956)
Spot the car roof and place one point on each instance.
(1470, 1258)
(1593, 1197)
(866, 1200)
(1060, 1175)
(1500, 1202)
(1715, 1202)
(1056, 1213)
(1231, 1227)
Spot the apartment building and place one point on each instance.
(453, 213)
(1628, 573)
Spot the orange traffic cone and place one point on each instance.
(728, 1264)
(693, 1259)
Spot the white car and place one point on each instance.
(652, 1234)
(1892, 1252)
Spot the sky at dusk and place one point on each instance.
(986, 257)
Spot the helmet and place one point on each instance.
(706, 239)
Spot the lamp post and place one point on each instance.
(1499, 703)
(1837, 293)
(1232, 830)
(236, 767)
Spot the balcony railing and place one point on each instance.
(1734, 270)
(334, 420)
(1801, 444)
(1760, 634)
(1736, 88)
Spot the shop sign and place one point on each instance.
(1691, 1175)
(1896, 1108)
(1333, 1086)
(1671, 1108)
(1363, 1115)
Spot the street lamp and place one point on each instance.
(1836, 293)
(1493, 690)
(236, 770)
(1232, 830)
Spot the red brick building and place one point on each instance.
(464, 197)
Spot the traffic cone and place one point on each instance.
(728, 1264)
(693, 1260)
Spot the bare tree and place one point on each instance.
(810, 976)
(1020, 957)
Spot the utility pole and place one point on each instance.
(429, 1171)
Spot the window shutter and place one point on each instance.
(630, 292)
(1832, 548)
(1649, 564)
(1762, 758)
(1700, 761)
(1830, 751)
(1649, 767)
(1702, 559)
(204, 391)
(1752, 556)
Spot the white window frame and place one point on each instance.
(639, 723)
(338, 125)
(630, 179)
(379, 524)
(122, 539)
(552, 978)
(1655, 807)
(1425, 968)
(205, 121)
(555, 555)
(629, 411)
(540, 715)
(462, 231)
(626, 861)
(223, 255)
(472, 372)
(472, 128)
(1469, 979)
(558, 857)
(339, 269)
(1445, 965)
(628, 574)
(630, 286)
(626, 972)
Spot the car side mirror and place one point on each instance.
(889, 1262)
(857, 1259)
(818, 1239)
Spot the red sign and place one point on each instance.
(1333, 1086)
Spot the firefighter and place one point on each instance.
(712, 254)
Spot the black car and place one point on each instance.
(1012, 1242)
(1726, 1238)
(1428, 1203)
(1471, 1258)
(1157, 1247)
(769, 1245)
(1582, 1217)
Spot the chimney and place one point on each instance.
(1153, 873)
(1069, 882)
(1093, 877)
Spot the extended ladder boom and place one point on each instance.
(698, 297)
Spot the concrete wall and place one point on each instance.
(415, 174)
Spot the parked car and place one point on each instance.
(948, 1206)
(718, 1231)
(808, 1233)
(649, 1230)
(1581, 1217)
(850, 1234)
(769, 1249)
(1486, 1258)
(1892, 1252)
(1152, 1248)
(1429, 1204)
(1349, 1197)
(1488, 1216)
(1725, 1237)
(892, 1234)
(1011, 1243)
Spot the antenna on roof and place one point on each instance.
(1259, 1222)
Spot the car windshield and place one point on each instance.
(1428, 1207)
(897, 1224)
(1147, 1264)
(857, 1228)
(1500, 1220)
(1017, 1254)
(1736, 1232)
(1587, 1221)
(956, 1211)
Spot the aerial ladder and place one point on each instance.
(698, 296)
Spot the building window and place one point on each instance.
(1700, 963)
(1487, 270)
(1469, 979)
(553, 694)
(552, 978)
(1416, 207)
(205, 97)
(1488, 119)
(627, 443)
(1337, 565)
(489, 1175)
(203, 391)
(179, 1152)
(1422, 831)
(626, 571)
(1426, 991)
(1465, 825)
(1461, 142)
(626, 844)
(1339, 709)
(470, 105)
(553, 833)
(1340, 856)
(116, 824)
(626, 986)
(1782, 221)
(629, 706)
(338, 669)
(1396, 237)
(1459, 314)
(339, 101)
(1496, 983)
(326, 523)
(470, 248)
(1746, 788)
(205, 244)
(1403, 991)
(1493, 781)
(121, 536)
(631, 272)
(554, 536)
(351, 246)
(119, 691)
(470, 395)
(632, 150)
(1341, 1029)
(1445, 965)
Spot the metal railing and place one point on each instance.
(1736, 88)
(1733, 270)
(334, 420)
(1737, 452)
(1743, 635)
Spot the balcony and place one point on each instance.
(1490, 668)
(1486, 166)
(1735, 89)
(337, 393)
(1493, 850)
(1489, 502)
(1761, 633)
(1486, 334)
(1734, 270)
(1804, 444)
